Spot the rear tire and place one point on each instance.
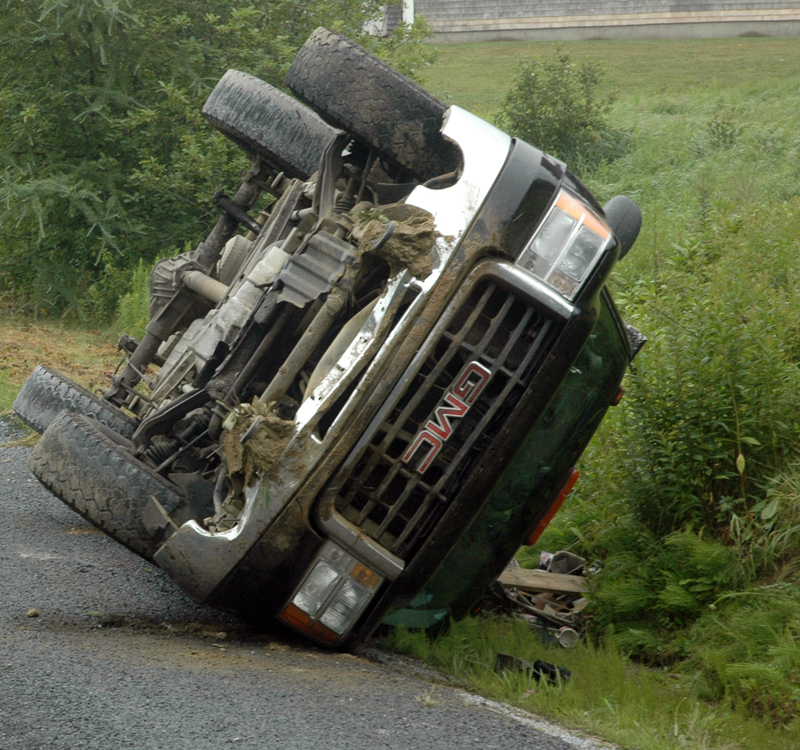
(267, 122)
(96, 476)
(357, 92)
(47, 392)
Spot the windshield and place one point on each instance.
(525, 488)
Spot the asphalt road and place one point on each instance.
(99, 650)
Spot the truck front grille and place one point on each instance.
(385, 496)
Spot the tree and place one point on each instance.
(104, 156)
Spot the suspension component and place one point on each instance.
(176, 307)
(157, 453)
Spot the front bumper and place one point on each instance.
(201, 561)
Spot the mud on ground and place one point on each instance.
(89, 357)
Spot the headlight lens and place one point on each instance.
(332, 596)
(318, 585)
(340, 612)
(566, 245)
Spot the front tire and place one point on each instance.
(357, 92)
(96, 476)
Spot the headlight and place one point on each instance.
(317, 587)
(332, 596)
(566, 245)
(345, 607)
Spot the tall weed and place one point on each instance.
(713, 409)
(132, 312)
(133, 309)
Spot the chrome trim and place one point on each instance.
(485, 149)
(531, 287)
(197, 559)
(353, 541)
(353, 358)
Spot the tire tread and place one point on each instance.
(47, 392)
(265, 121)
(358, 92)
(100, 480)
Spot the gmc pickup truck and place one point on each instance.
(365, 397)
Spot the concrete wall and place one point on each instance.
(483, 20)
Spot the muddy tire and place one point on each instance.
(96, 476)
(47, 392)
(265, 121)
(357, 92)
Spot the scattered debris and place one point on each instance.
(550, 598)
(427, 699)
(538, 670)
(542, 581)
(568, 637)
(33, 612)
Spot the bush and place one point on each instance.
(554, 104)
(105, 158)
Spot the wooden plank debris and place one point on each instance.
(542, 581)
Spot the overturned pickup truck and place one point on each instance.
(369, 400)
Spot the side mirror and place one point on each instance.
(625, 219)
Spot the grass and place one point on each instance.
(606, 696)
(476, 76)
(87, 356)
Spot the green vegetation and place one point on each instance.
(689, 495)
(556, 104)
(105, 159)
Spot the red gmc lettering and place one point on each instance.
(438, 429)
(440, 424)
(473, 380)
(435, 446)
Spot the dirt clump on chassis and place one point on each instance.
(365, 404)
